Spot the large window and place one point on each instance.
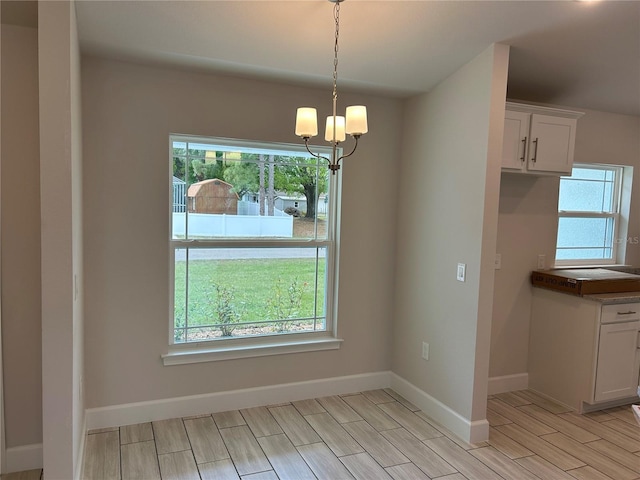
(252, 241)
(589, 215)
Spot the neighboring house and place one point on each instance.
(212, 196)
(284, 201)
(295, 201)
(298, 201)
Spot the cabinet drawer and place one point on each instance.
(623, 312)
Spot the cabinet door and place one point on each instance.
(514, 143)
(552, 143)
(618, 361)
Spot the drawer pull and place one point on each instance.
(627, 313)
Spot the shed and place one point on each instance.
(212, 196)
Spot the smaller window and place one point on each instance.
(589, 215)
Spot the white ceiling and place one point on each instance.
(578, 54)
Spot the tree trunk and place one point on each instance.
(310, 194)
(261, 177)
(271, 193)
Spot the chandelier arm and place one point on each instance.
(356, 137)
(316, 155)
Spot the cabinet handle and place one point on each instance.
(535, 152)
(524, 148)
(627, 313)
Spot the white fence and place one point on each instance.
(252, 208)
(215, 225)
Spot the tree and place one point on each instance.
(178, 163)
(248, 176)
(204, 170)
(301, 175)
(243, 176)
(198, 169)
(264, 174)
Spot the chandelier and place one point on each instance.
(353, 123)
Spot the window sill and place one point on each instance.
(197, 354)
(588, 265)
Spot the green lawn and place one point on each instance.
(248, 290)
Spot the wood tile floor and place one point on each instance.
(371, 435)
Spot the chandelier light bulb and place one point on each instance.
(340, 134)
(306, 122)
(357, 120)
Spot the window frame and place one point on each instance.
(272, 344)
(615, 215)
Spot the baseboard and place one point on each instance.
(25, 457)
(467, 430)
(508, 383)
(140, 412)
(587, 407)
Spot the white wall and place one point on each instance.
(450, 175)
(60, 191)
(128, 113)
(527, 227)
(20, 214)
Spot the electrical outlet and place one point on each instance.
(462, 270)
(425, 350)
(542, 260)
(498, 261)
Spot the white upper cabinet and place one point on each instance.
(538, 140)
(516, 136)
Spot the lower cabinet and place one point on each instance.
(584, 353)
(618, 362)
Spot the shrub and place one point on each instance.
(223, 304)
(285, 304)
(294, 212)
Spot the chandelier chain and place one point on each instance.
(353, 123)
(336, 16)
